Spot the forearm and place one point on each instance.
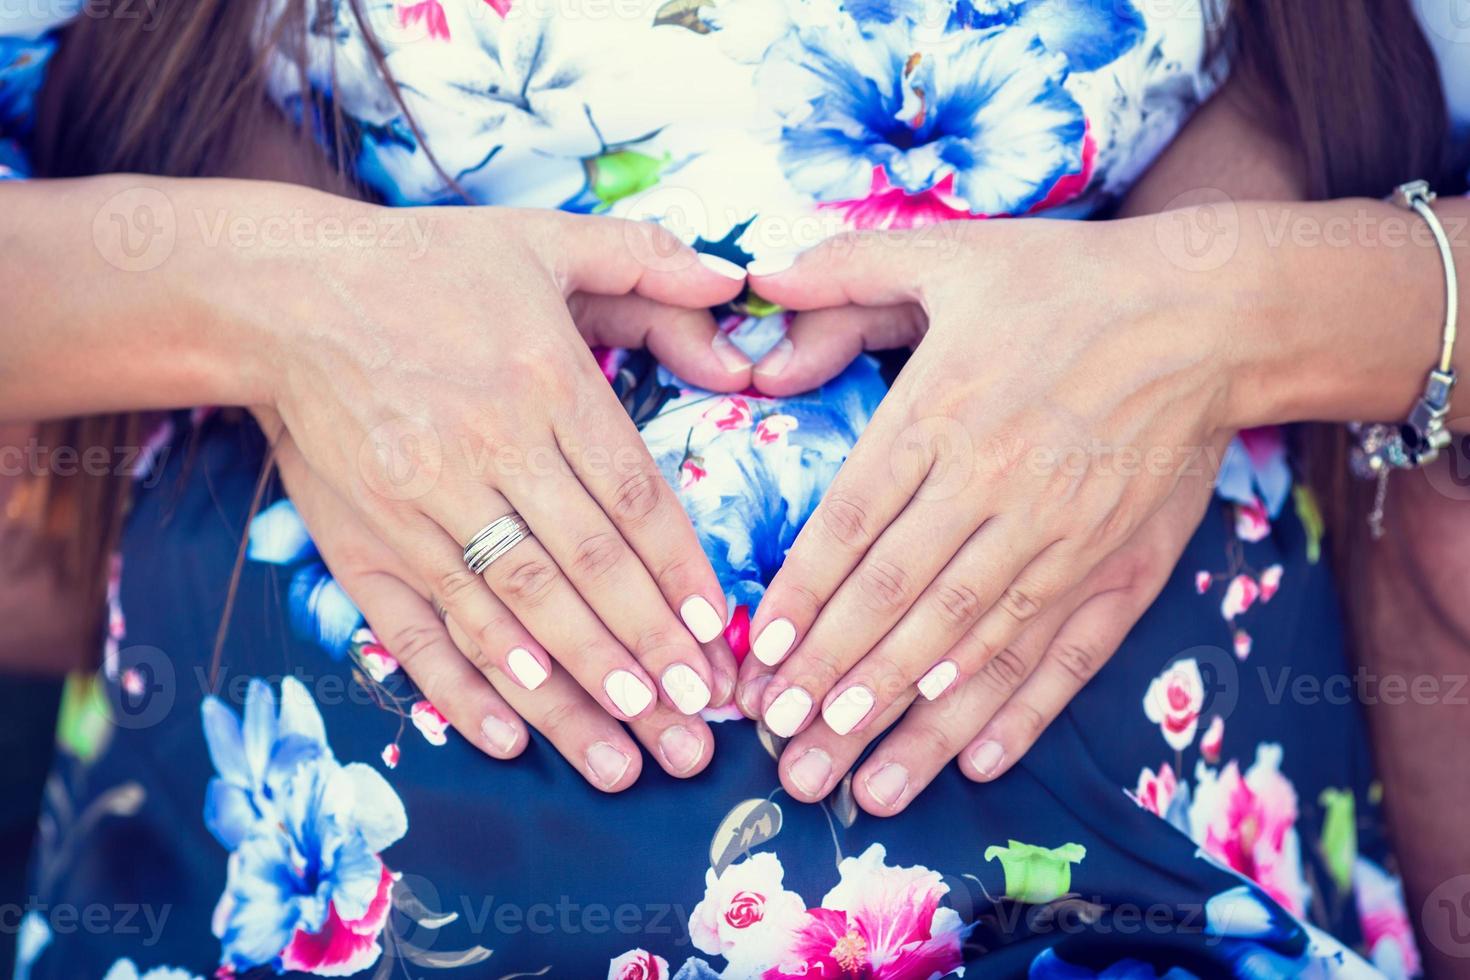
(1333, 311)
(125, 293)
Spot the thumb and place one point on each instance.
(685, 341)
(615, 256)
(864, 268)
(820, 344)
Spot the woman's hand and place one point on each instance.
(485, 705)
(1057, 392)
(992, 718)
(437, 394)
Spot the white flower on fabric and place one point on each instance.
(746, 915)
(1174, 700)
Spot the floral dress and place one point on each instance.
(299, 808)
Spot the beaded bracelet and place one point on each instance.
(1382, 448)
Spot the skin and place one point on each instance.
(922, 552)
(394, 379)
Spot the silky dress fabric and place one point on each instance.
(298, 808)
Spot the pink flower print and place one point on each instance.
(638, 964)
(1270, 582)
(691, 473)
(1248, 822)
(1174, 700)
(773, 428)
(878, 923)
(1156, 791)
(430, 723)
(1203, 581)
(747, 915)
(342, 947)
(1239, 596)
(1213, 740)
(1251, 521)
(1242, 643)
(729, 414)
(428, 12)
(391, 754)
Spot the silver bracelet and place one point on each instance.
(1382, 448)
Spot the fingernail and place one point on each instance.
(607, 763)
(686, 689)
(721, 266)
(888, 784)
(752, 692)
(724, 688)
(731, 358)
(848, 708)
(627, 692)
(498, 733)
(776, 359)
(987, 757)
(788, 711)
(811, 772)
(700, 616)
(938, 679)
(771, 264)
(773, 642)
(680, 748)
(525, 668)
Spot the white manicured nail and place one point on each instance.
(938, 679)
(848, 708)
(607, 764)
(686, 689)
(525, 668)
(788, 711)
(721, 266)
(701, 618)
(771, 264)
(627, 692)
(774, 641)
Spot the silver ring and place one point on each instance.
(493, 540)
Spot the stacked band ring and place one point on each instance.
(494, 540)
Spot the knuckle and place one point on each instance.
(936, 738)
(410, 643)
(659, 639)
(957, 603)
(599, 554)
(678, 577)
(457, 584)
(556, 720)
(1030, 722)
(529, 581)
(637, 498)
(845, 519)
(816, 669)
(1078, 660)
(1004, 672)
(1020, 603)
(883, 585)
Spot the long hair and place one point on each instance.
(181, 92)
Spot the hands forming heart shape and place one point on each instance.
(1017, 501)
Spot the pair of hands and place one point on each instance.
(947, 550)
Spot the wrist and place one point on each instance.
(1338, 311)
